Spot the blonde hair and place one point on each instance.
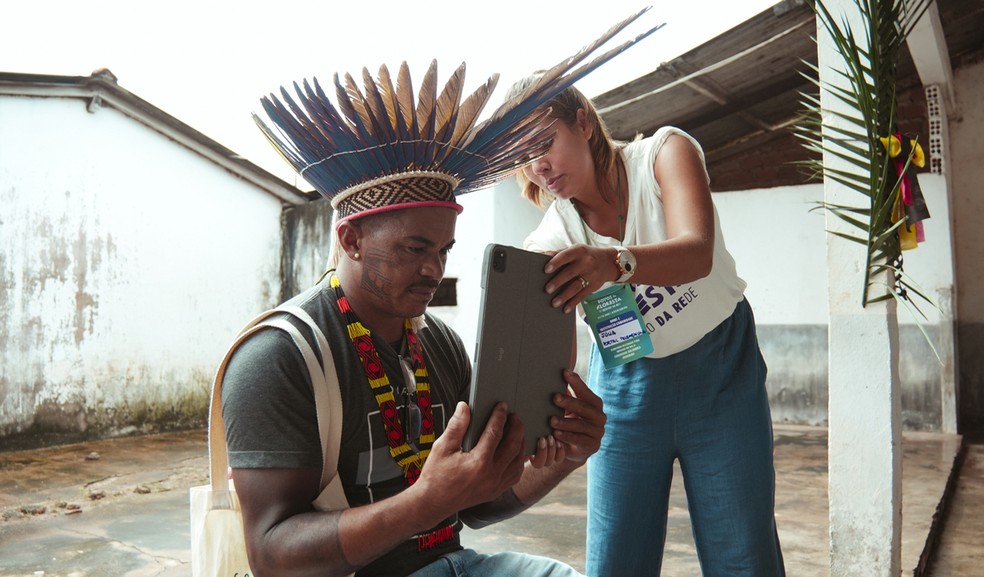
(563, 108)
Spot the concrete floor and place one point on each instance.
(960, 550)
(125, 513)
(555, 527)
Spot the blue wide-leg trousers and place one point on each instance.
(706, 406)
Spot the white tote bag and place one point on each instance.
(218, 545)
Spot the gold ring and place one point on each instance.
(584, 283)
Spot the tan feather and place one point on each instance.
(388, 95)
(447, 105)
(348, 108)
(378, 113)
(426, 101)
(471, 108)
(404, 95)
(358, 102)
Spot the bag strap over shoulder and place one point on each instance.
(328, 401)
(327, 396)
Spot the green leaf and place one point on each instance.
(866, 86)
(845, 236)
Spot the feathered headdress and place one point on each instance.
(379, 150)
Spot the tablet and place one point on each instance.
(522, 346)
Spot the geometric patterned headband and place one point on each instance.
(378, 149)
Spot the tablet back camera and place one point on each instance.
(499, 261)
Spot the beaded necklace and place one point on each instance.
(410, 460)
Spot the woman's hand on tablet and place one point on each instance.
(583, 425)
(549, 452)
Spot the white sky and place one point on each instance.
(207, 62)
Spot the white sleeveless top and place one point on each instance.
(677, 316)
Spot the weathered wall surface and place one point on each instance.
(127, 264)
(966, 145)
(797, 379)
(308, 233)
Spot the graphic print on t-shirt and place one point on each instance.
(662, 305)
(377, 466)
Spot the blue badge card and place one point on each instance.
(615, 321)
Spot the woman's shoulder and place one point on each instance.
(646, 149)
(654, 141)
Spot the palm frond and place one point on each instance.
(846, 236)
(865, 85)
(846, 217)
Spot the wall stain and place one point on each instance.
(85, 303)
(56, 421)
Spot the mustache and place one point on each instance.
(426, 283)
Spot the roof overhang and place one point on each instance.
(743, 88)
(101, 90)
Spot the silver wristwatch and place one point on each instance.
(626, 263)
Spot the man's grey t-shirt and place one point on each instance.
(271, 420)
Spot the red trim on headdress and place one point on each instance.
(425, 204)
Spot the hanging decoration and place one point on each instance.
(910, 204)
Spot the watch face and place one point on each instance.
(626, 263)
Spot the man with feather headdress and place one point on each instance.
(393, 169)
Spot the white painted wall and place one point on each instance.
(779, 246)
(127, 263)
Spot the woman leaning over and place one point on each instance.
(642, 213)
